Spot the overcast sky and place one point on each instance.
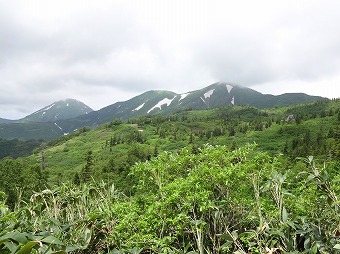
(101, 52)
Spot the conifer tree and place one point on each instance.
(155, 152)
(86, 172)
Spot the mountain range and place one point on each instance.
(63, 117)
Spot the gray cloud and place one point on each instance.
(109, 51)
(295, 45)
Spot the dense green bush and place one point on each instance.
(203, 200)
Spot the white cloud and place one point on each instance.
(107, 51)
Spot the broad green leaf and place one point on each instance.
(73, 248)
(16, 236)
(291, 224)
(44, 234)
(27, 248)
(277, 232)
(52, 240)
(11, 246)
(336, 246)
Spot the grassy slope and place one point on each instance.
(68, 157)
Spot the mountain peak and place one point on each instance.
(59, 110)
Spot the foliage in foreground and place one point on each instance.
(208, 200)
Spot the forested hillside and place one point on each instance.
(17, 148)
(226, 180)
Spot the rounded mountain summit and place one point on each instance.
(59, 110)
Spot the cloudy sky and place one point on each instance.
(101, 52)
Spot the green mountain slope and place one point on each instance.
(30, 130)
(146, 104)
(115, 146)
(160, 182)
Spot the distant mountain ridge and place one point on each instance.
(215, 95)
(53, 121)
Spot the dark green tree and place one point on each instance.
(11, 179)
(191, 139)
(87, 170)
(231, 131)
(76, 179)
(155, 151)
(233, 146)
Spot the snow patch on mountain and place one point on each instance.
(229, 87)
(207, 96)
(139, 107)
(161, 103)
(233, 100)
(44, 109)
(209, 93)
(183, 96)
(58, 126)
(49, 107)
